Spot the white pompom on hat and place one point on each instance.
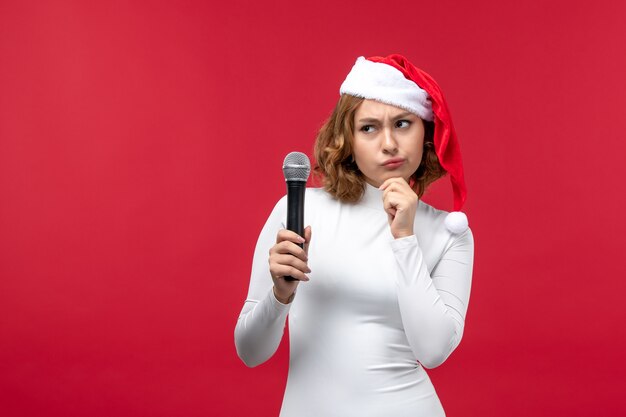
(396, 81)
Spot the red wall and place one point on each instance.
(140, 152)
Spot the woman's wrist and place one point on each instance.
(402, 234)
(281, 298)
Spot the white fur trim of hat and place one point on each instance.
(384, 83)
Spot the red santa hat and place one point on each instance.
(396, 81)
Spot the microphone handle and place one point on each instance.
(295, 210)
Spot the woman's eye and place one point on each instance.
(403, 123)
(367, 128)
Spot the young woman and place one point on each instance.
(382, 285)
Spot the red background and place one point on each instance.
(140, 153)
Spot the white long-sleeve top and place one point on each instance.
(376, 310)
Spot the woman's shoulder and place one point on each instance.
(434, 220)
(317, 192)
(431, 213)
(318, 195)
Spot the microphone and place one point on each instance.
(296, 169)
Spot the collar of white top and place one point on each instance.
(372, 197)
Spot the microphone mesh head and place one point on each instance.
(296, 167)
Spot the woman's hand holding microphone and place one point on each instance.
(287, 259)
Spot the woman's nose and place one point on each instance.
(389, 141)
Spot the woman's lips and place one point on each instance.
(393, 163)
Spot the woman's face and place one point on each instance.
(388, 141)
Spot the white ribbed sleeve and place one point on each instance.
(433, 307)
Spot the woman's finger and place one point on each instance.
(400, 182)
(289, 248)
(279, 272)
(289, 260)
(284, 234)
(307, 238)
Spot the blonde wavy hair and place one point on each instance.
(335, 164)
